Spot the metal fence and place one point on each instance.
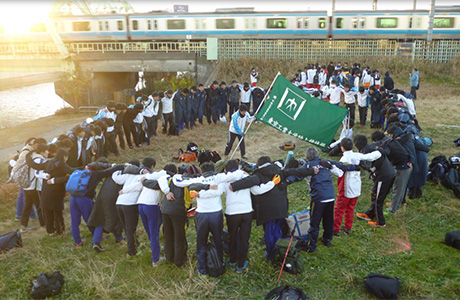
(440, 51)
(165, 47)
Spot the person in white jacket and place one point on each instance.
(32, 193)
(149, 209)
(127, 201)
(236, 129)
(334, 93)
(349, 187)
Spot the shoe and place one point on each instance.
(17, 219)
(98, 248)
(131, 147)
(387, 213)
(157, 263)
(363, 217)
(336, 234)
(33, 218)
(26, 228)
(232, 266)
(375, 224)
(345, 231)
(199, 273)
(244, 157)
(326, 243)
(120, 240)
(243, 268)
(79, 246)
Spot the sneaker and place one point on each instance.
(243, 268)
(199, 273)
(26, 228)
(232, 265)
(17, 219)
(326, 243)
(336, 234)
(345, 231)
(79, 246)
(375, 224)
(244, 157)
(98, 248)
(157, 263)
(363, 217)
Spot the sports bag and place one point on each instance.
(45, 285)
(187, 157)
(10, 240)
(382, 286)
(286, 292)
(300, 222)
(21, 175)
(450, 178)
(78, 182)
(437, 168)
(294, 261)
(453, 239)
(214, 264)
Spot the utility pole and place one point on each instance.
(374, 4)
(431, 21)
(415, 5)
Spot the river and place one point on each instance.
(25, 104)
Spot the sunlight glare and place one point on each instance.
(18, 17)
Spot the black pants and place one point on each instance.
(31, 197)
(152, 124)
(379, 193)
(320, 211)
(119, 132)
(363, 115)
(231, 138)
(413, 91)
(129, 216)
(352, 111)
(127, 129)
(169, 119)
(233, 107)
(175, 242)
(239, 226)
(213, 115)
(112, 143)
(54, 221)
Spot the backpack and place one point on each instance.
(187, 156)
(453, 239)
(286, 292)
(316, 79)
(10, 240)
(78, 182)
(173, 130)
(300, 222)
(437, 168)
(205, 156)
(192, 147)
(45, 285)
(382, 286)
(21, 175)
(214, 264)
(294, 262)
(450, 178)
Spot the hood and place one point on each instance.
(387, 74)
(268, 170)
(398, 132)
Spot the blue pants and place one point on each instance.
(208, 223)
(81, 207)
(20, 205)
(325, 212)
(233, 107)
(151, 219)
(273, 231)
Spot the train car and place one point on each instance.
(92, 28)
(399, 25)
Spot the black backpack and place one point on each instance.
(382, 286)
(453, 239)
(45, 285)
(192, 147)
(450, 178)
(294, 261)
(173, 130)
(316, 79)
(286, 292)
(214, 264)
(10, 240)
(437, 168)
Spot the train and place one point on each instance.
(166, 26)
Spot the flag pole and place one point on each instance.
(255, 114)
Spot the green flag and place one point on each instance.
(294, 112)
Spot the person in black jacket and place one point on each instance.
(376, 107)
(212, 102)
(388, 82)
(401, 160)
(77, 152)
(270, 208)
(128, 123)
(383, 175)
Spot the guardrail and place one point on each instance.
(165, 47)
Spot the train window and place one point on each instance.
(339, 23)
(305, 22)
(100, 26)
(387, 22)
(443, 23)
(362, 22)
(176, 24)
(277, 23)
(39, 27)
(410, 22)
(155, 24)
(200, 23)
(149, 25)
(354, 22)
(81, 26)
(120, 25)
(321, 23)
(250, 23)
(107, 25)
(135, 25)
(226, 23)
(299, 23)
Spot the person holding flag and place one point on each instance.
(236, 129)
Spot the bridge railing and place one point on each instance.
(166, 47)
(29, 48)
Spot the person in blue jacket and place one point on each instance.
(198, 104)
(180, 107)
(190, 112)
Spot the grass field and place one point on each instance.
(429, 269)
